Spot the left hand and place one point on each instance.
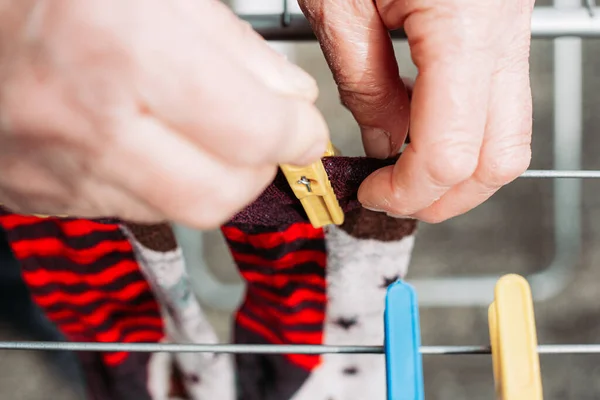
(471, 110)
(138, 110)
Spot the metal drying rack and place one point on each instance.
(566, 23)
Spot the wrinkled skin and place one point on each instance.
(471, 113)
(137, 109)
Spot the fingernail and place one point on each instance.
(376, 142)
(375, 209)
(399, 216)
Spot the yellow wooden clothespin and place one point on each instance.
(312, 186)
(513, 340)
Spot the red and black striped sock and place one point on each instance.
(85, 277)
(285, 304)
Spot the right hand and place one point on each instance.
(145, 110)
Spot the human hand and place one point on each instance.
(471, 108)
(147, 110)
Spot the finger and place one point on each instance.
(99, 199)
(56, 180)
(249, 49)
(46, 163)
(226, 110)
(506, 150)
(448, 116)
(359, 51)
(186, 24)
(184, 183)
(93, 199)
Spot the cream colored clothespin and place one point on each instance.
(513, 340)
(312, 186)
(43, 216)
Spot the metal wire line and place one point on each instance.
(547, 23)
(551, 173)
(274, 349)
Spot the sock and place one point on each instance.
(204, 375)
(284, 304)
(278, 207)
(364, 255)
(85, 277)
(282, 257)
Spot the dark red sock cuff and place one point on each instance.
(278, 206)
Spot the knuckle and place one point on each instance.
(508, 158)
(388, 9)
(356, 94)
(506, 166)
(515, 61)
(445, 30)
(453, 164)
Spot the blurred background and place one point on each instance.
(513, 232)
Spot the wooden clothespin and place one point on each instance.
(312, 186)
(402, 343)
(513, 340)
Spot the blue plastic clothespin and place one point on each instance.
(402, 343)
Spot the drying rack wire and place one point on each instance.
(547, 22)
(277, 349)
